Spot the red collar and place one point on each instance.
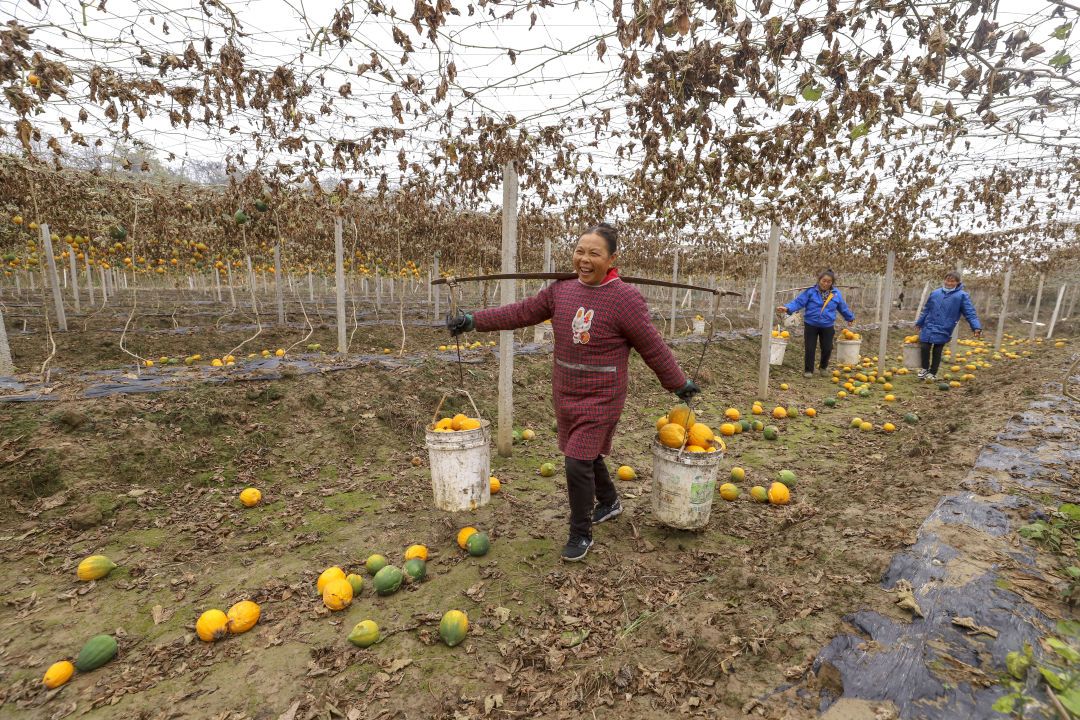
(612, 274)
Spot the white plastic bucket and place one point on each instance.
(699, 327)
(460, 464)
(776, 351)
(912, 356)
(683, 486)
(847, 352)
(543, 334)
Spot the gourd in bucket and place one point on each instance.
(459, 456)
(686, 457)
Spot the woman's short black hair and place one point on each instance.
(827, 273)
(606, 231)
(953, 274)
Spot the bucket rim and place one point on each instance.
(687, 458)
(483, 424)
(441, 438)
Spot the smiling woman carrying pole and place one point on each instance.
(596, 319)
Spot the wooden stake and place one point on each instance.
(89, 278)
(922, 300)
(1004, 310)
(7, 368)
(505, 440)
(339, 283)
(956, 330)
(54, 279)
(1057, 308)
(232, 293)
(104, 287)
(277, 284)
(436, 289)
(1072, 303)
(74, 279)
(877, 309)
(1034, 319)
(674, 279)
(884, 308)
(217, 283)
(768, 298)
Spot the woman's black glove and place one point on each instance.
(688, 391)
(458, 323)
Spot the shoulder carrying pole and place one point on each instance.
(572, 276)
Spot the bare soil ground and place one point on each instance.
(655, 623)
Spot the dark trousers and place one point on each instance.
(587, 481)
(811, 336)
(931, 356)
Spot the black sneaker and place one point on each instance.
(576, 548)
(606, 512)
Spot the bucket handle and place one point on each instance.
(464, 392)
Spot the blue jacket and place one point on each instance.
(942, 312)
(818, 313)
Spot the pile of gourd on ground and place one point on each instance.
(337, 589)
(678, 429)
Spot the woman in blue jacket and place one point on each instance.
(938, 320)
(821, 302)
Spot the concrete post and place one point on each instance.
(1057, 308)
(54, 279)
(339, 282)
(505, 441)
(883, 327)
(1038, 303)
(768, 298)
(1004, 310)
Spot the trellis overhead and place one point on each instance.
(937, 130)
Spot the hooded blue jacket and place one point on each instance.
(942, 312)
(818, 313)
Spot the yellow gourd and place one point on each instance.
(250, 497)
(701, 435)
(58, 674)
(682, 416)
(94, 567)
(779, 494)
(212, 625)
(243, 616)
(672, 435)
(338, 594)
(463, 535)
(334, 573)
